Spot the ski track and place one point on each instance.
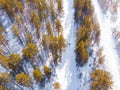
(67, 71)
(112, 62)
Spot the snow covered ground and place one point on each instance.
(112, 61)
(67, 71)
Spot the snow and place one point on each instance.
(67, 71)
(106, 40)
(68, 74)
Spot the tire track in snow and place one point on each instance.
(67, 72)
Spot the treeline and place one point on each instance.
(88, 29)
(88, 34)
(37, 29)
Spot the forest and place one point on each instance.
(37, 31)
(34, 45)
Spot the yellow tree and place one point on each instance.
(4, 61)
(3, 87)
(17, 33)
(58, 26)
(4, 42)
(14, 62)
(101, 80)
(45, 42)
(57, 86)
(52, 10)
(5, 78)
(24, 79)
(38, 76)
(29, 37)
(60, 7)
(49, 28)
(82, 53)
(47, 70)
(30, 51)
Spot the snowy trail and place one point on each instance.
(112, 61)
(67, 73)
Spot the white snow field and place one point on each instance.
(112, 61)
(67, 71)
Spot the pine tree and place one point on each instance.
(14, 61)
(6, 5)
(58, 26)
(49, 28)
(53, 45)
(17, 33)
(35, 19)
(47, 70)
(30, 51)
(101, 80)
(3, 42)
(52, 10)
(43, 10)
(38, 76)
(82, 33)
(82, 54)
(43, 16)
(29, 37)
(101, 57)
(88, 22)
(61, 43)
(24, 79)
(60, 7)
(5, 78)
(20, 6)
(45, 42)
(57, 86)
(4, 61)
(3, 87)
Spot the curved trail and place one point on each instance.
(112, 60)
(67, 71)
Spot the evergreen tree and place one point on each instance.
(61, 43)
(30, 51)
(3, 87)
(45, 42)
(57, 86)
(35, 19)
(4, 61)
(5, 78)
(60, 7)
(53, 45)
(17, 33)
(38, 76)
(14, 62)
(24, 79)
(52, 10)
(3, 42)
(101, 80)
(47, 70)
(29, 37)
(82, 54)
(49, 28)
(58, 26)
